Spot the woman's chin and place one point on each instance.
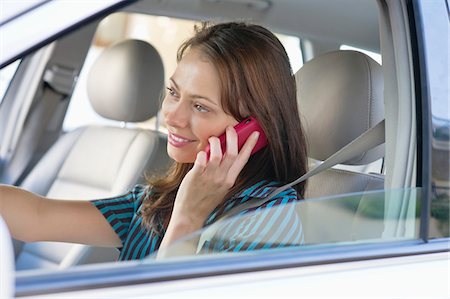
(180, 157)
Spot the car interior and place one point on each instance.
(341, 94)
(114, 158)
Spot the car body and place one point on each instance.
(407, 256)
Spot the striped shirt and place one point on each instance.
(254, 228)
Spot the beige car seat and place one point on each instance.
(124, 84)
(340, 96)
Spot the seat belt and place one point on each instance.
(364, 142)
(58, 84)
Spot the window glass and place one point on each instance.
(6, 75)
(165, 34)
(357, 218)
(436, 49)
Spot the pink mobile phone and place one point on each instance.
(243, 130)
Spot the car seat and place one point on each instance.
(124, 84)
(340, 96)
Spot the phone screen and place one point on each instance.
(243, 130)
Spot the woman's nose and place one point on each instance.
(177, 114)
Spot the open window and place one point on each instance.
(408, 216)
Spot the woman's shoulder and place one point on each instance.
(263, 195)
(139, 191)
(139, 194)
(265, 189)
(254, 197)
(134, 196)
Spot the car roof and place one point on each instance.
(335, 23)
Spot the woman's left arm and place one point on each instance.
(205, 186)
(274, 224)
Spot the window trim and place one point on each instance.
(423, 114)
(136, 273)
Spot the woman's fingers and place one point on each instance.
(232, 150)
(232, 142)
(200, 163)
(204, 166)
(243, 156)
(224, 168)
(215, 153)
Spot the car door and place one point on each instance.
(391, 243)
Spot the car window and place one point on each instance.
(438, 88)
(121, 26)
(349, 219)
(328, 223)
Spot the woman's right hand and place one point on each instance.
(206, 184)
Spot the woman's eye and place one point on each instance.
(171, 91)
(200, 108)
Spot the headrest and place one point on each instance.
(126, 81)
(340, 96)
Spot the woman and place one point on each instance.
(225, 73)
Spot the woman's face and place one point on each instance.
(192, 109)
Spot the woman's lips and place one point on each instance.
(177, 140)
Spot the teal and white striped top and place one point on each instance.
(254, 228)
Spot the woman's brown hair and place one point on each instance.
(257, 80)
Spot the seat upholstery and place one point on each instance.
(124, 84)
(340, 96)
